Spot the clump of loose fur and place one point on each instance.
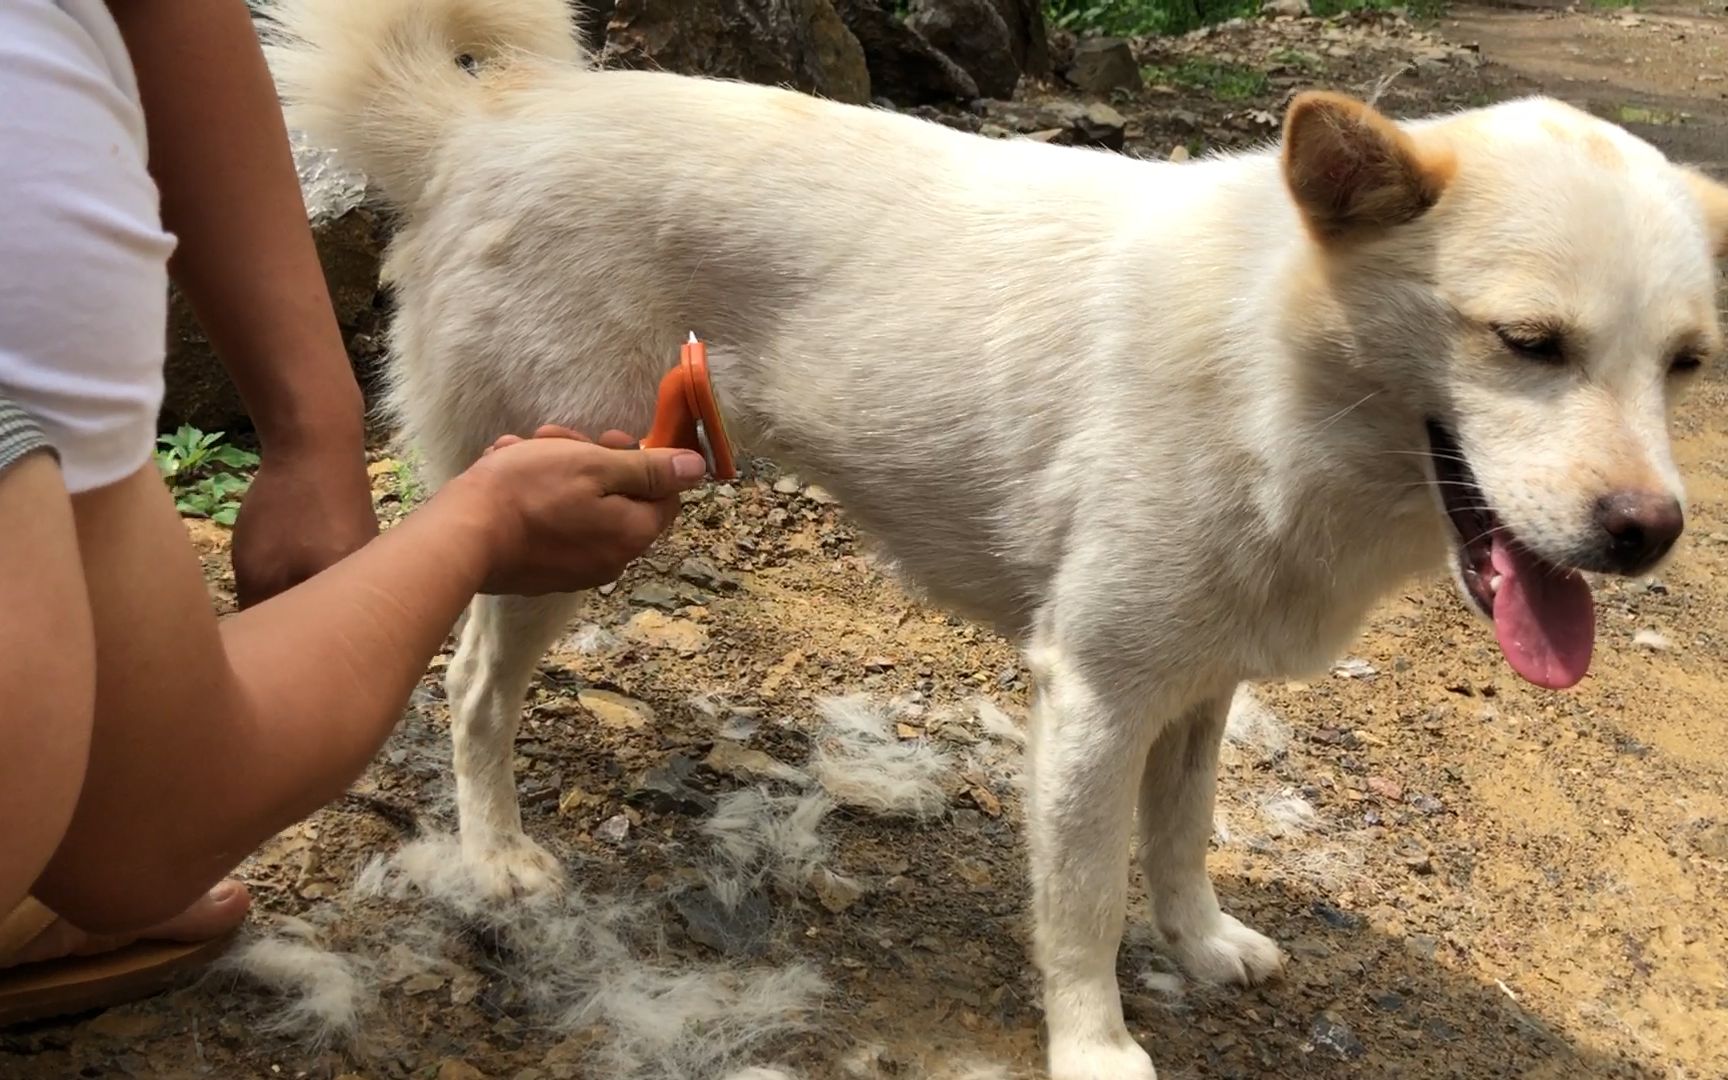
(861, 762)
(998, 724)
(588, 639)
(593, 963)
(773, 835)
(981, 1070)
(1289, 814)
(1253, 725)
(325, 994)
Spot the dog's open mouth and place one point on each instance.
(1543, 614)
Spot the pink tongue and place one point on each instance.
(1544, 618)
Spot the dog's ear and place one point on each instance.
(1713, 197)
(1352, 171)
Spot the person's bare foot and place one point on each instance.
(212, 915)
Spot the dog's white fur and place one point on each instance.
(1160, 423)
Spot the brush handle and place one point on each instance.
(674, 425)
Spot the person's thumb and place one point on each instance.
(655, 474)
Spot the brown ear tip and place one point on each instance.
(1308, 101)
(1313, 110)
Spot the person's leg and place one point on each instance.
(47, 673)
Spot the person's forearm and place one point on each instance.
(245, 260)
(332, 662)
(208, 738)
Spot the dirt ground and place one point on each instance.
(1473, 878)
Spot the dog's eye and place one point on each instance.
(1684, 363)
(1533, 343)
(467, 62)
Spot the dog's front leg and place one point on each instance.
(1176, 797)
(502, 641)
(1084, 762)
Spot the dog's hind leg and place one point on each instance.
(1083, 764)
(1176, 805)
(503, 639)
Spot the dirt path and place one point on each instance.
(1473, 879)
(1661, 70)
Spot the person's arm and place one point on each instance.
(220, 155)
(211, 737)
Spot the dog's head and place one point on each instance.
(1537, 287)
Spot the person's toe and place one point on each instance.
(212, 915)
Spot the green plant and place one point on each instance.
(1296, 58)
(1132, 18)
(1226, 82)
(201, 472)
(1417, 9)
(407, 480)
(1129, 18)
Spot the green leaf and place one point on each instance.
(234, 457)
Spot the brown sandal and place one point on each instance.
(75, 984)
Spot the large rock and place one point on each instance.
(904, 68)
(350, 236)
(1028, 35)
(802, 44)
(1102, 66)
(996, 41)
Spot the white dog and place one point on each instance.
(1169, 426)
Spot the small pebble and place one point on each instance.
(1329, 1033)
(613, 830)
(1336, 918)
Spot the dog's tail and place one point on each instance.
(379, 81)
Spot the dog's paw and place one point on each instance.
(1228, 953)
(1120, 1059)
(513, 868)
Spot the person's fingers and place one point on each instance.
(652, 474)
(639, 522)
(666, 512)
(618, 440)
(502, 441)
(559, 431)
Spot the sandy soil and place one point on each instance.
(1473, 878)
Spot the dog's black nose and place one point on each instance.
(1639, 527)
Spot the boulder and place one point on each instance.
(350, 235)
(802, 44)
(1028, 35)
(904, 68)
(1101, 66)
(974, 35)
(996, 41)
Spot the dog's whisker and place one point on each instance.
(1347, 410)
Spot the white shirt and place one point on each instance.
(83, 255)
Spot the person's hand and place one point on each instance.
(304, 511)
(569, 514)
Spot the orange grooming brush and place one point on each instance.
(687, 415)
